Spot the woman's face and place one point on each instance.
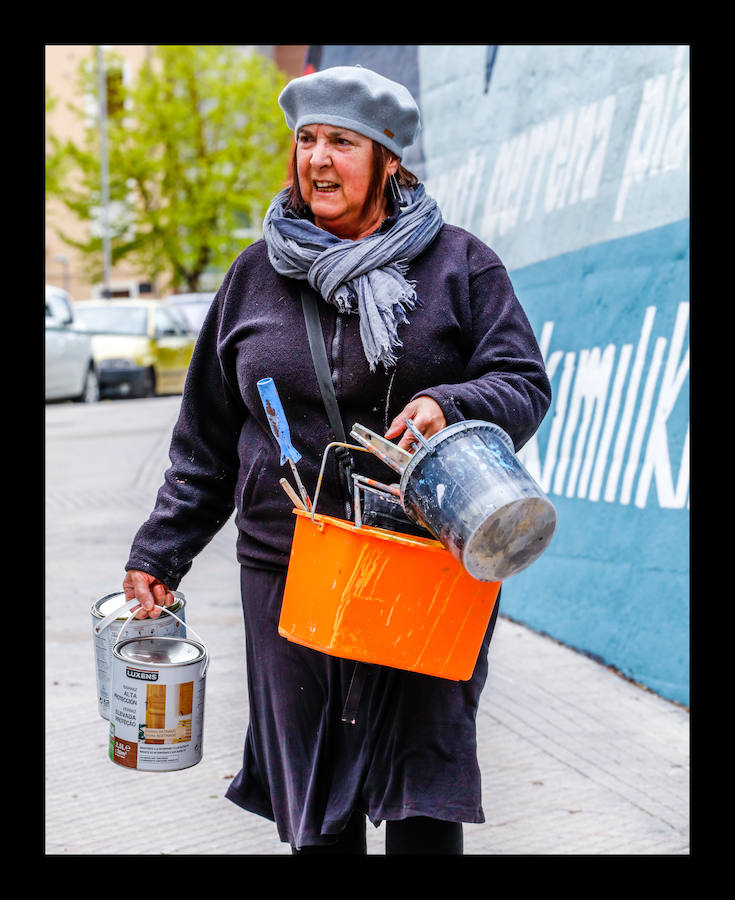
(334, 168)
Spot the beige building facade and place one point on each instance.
(62, 63)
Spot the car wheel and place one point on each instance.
(91, 390)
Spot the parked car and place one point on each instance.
(70, 369)
(193, 307)
(141, 347)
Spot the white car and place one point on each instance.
(71, 372)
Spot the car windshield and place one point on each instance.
(112, 319)
(193, 314)
(193, 308)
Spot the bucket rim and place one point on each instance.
(465, 426)
(381, 534)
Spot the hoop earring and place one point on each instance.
(396, 191)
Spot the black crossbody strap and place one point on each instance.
(326, 386)
(321, 363)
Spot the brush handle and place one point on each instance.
(277, 419)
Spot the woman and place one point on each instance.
(420, 321)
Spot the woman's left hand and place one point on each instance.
(426, 415)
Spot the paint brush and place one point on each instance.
(293, 496)
(281, 432)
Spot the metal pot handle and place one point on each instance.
(360, 482)
(417, 434)
(319, 480)
(181, 621)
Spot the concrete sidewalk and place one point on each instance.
(575, 760)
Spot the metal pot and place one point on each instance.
(467, 487)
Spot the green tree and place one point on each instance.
(197, 148)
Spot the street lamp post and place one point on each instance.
(104, 169)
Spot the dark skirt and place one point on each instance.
(411, 752)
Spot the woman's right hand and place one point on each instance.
(148, 591)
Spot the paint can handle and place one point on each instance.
(110, 617)
(185, 624)
(115, 614)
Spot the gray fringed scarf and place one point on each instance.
(364, 276)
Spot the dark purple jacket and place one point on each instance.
(468, 345)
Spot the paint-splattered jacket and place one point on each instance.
(468, 345)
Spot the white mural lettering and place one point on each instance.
(657, 463)
(659, 141)
(623, 430)
(611, 418)
(458, 188)
(551, 165)
(624, 155)
(579, 153)
(593, 378)
(587, 416)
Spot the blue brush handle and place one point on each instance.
(277, 419)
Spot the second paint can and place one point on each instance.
(163, 626)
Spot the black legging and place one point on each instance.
(418, 834)
(421, 834)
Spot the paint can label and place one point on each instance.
(163, 626)
(156, 716)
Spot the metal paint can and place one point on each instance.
(468, 488)
(104, 641)
(157, 703)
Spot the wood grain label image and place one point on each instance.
(168, 713)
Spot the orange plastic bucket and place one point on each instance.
(382, 597)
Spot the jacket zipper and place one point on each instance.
(336, 341)
(336, 373)
(387, 396)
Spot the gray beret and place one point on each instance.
(356, 98)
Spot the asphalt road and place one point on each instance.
(575, 760)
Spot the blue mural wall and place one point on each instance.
(572, 163)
